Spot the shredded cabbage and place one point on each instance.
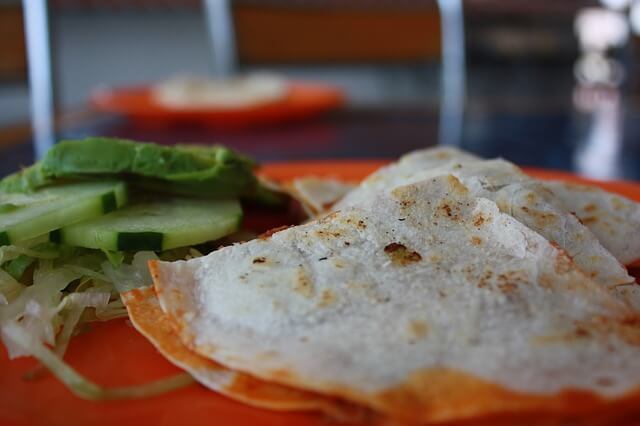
(46, 290)
(128, 277)
(10, 288)
(40, 312)
(76, 304)
(18, 266)
(79, 385)
(37, 248)
(115, 257)
(37, 306)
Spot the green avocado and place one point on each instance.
(26, 180)
(201, 171)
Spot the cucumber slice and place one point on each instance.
(156, 225)
(51, 208)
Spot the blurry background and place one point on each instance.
(547, 84)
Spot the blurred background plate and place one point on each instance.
(303, 100)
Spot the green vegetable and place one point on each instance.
(127, 277)
(26, 180)
(10, 288)
(39, 319)
(50, 208)
(205, 171)
(159, 225)
(115, 257)
(37, 248)
(18, 266)
(58, 219)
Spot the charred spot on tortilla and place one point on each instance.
(589, 220)
(480, 220)
(563, 261)
(339, 263)
(303, 284)
(449, 210)
(542, 218)
(328, 234)
(417, 329)
(485, 279)
(475, 240)
(626, 327)
(507, 288)
(327, 298)
(456, 186)
(400, 255)
(590, 208)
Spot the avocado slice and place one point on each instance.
(201, 171)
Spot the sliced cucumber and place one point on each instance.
(51, 208)
(157, 225)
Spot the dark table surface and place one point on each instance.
(603, 144)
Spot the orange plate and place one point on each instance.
(303, 100)
(113, 353)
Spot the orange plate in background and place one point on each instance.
(303, 100)
(113, 353)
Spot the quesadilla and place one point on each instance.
(528, 201)
(425, 302)
(409, 168)
(615, 220)
(318, 195)
(147, 317)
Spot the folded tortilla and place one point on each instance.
(530, 202)
(147, 317)
(318, 195)
(614, 219)
(426, 303)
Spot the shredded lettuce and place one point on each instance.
(76, 303)
(128, 277)
(86, 272)
(37, 248)
(113, 310)
(18, 266)
(40, 312)
(46, 291)
(10, 288)
(114, 257)
(18, 336)
(38, 305)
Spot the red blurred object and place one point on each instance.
(303, 100)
